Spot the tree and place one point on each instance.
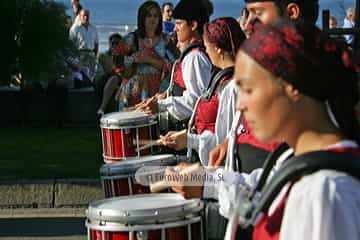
(36, 37)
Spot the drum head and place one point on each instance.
(144, 208)
(129, 166)
(125, 119)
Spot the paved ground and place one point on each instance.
(43, 228)
(51, 209)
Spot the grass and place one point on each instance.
(47, 153)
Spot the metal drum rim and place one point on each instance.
(128, 167)
(114, 226)
(139, 215)
(139, 124)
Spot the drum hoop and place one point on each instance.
(137, 216)
(128, 168)
(133, 124)
(116, 227)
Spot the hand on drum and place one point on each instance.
(149, 106)
(217, 156)
(175, 140)
(190, 189)
(160, 96)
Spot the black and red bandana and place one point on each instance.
(224, 33)
(302, 55)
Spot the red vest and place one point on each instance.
(268, 227)
(178, 75)
(206, 111)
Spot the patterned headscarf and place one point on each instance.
(224, 33)
(300, 54)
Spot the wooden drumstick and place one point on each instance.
(159, 141)
(162, 185)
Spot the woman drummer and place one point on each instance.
(222, 38)
(294, 88)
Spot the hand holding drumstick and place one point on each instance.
(175, 140)
(189, 190)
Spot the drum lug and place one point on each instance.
(126, 214)
(142, 235)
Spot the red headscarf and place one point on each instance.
(225, 33)
(302, 55)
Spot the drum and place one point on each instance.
(124, 132)
(163, 216)
(118, 179)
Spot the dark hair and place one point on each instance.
(309, 9)
(143, 11)
(78, 10)
(209, 7)
(166, 4)
(200, 27)
(225, 33)
(115, 35)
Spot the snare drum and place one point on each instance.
(118, 179)
(124, 132)
(164, 216)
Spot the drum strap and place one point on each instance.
(297, 167)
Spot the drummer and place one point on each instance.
(287, 71)
(222, 38)
(263, 12)
(191, 72)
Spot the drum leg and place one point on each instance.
(131, 236)
(130, 186)
(103, 140)
(112, 188)
(137, 143)
(202, 229)
(151, 138)
(163, 234)
(189, 232)
(122, 143)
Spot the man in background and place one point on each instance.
(86, 38)
(167, 11)
(349, 22)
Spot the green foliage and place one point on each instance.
(38, 35)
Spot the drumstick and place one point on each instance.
(163, 184)
(159, 141)
(151, 144)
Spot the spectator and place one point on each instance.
(168, 25)
(76, 8)
(332, 22)
(242, 20)
(86, 37)
(349, 22)
(150, 56)
(109, 81)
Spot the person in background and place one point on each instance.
(77, 7)
(349, 22)
(332, 22)
(150, 58)
(86, 38)
(242, 20)
(191, 72)
(167, 25)
(109, 80)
